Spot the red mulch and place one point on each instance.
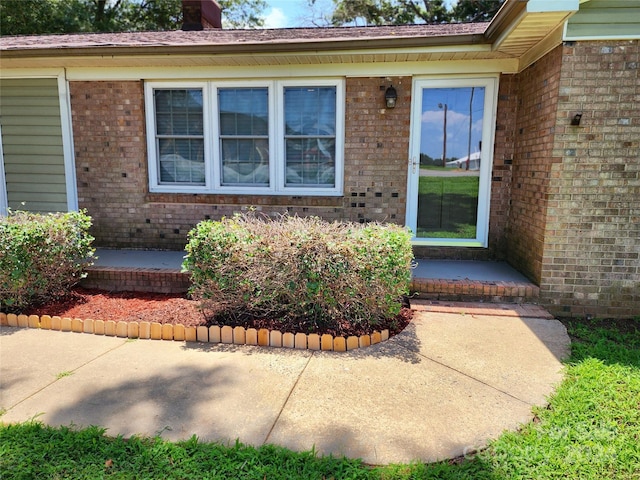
(177, 309)
(124, 307)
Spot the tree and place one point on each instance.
(401, 12)
(21, 17)
(242, 13)
(476, 10)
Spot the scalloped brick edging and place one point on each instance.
(213, 334)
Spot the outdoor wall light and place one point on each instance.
(390, 97)
(575, 121)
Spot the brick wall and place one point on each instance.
(502, 173)
(110, 152)
(376, 150)
(533, 159)
(112, 172)
(591, 262)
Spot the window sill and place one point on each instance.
(244, 199)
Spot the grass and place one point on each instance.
(590, 430)
(447, 207)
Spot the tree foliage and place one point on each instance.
(475, 10)
(401, 12)
(22, 17)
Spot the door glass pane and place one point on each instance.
(450, 145)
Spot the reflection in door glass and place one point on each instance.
(450, 145)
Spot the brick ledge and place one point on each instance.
(474, 290)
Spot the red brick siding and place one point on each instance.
(591, 263)
(503, 158)
(376, 150)
(111, 160)
(112, 172)
(532, 163)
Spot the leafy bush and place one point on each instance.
(41, 256)
(320, 274)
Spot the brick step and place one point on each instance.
(136, 279)
(168, 280)
(456, 290)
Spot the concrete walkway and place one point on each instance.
(459, 375)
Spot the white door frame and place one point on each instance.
(490, 83)
(67, 142)
(4, 204)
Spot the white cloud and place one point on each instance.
(276, 18)
(437, 117)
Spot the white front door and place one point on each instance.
(452, 130)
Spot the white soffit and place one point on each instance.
(534, 31)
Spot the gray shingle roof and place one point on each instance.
(224, 38)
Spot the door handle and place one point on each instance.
(413, 164)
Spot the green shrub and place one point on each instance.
(41, 256)
(318, 273)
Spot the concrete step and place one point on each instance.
(447, 280)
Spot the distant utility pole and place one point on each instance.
(470, 127)
(444, 141)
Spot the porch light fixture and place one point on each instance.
(575, 121)
(390, 97)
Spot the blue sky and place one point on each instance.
(464, 110)
(293, 13)
(297, 13)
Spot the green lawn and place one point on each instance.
(591, 430)
(447, 207)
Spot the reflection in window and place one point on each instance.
(450, 146)
(310, 136)
(244, 136)
(271, 137)
(179, 136)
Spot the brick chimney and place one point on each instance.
(201, 14)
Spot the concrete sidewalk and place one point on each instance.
(459, 375)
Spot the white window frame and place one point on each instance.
(276, 138)
(150, 110)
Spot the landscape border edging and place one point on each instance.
(178, 332)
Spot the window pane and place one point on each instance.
(310, 110)
(179, 115)
(310, 147)
(244, 111)
(450, 145)
(245, 161)
(310, 162)
(178, 112)
(181, 161)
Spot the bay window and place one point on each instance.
(263, 137)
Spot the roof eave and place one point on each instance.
(245, 48)
(506, 16)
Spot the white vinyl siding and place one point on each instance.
(32, 145)
(605, 19)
